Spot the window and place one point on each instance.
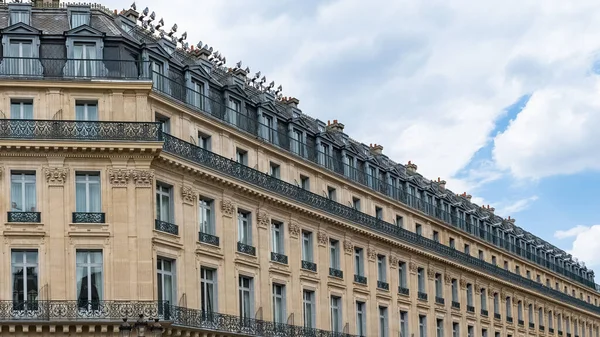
(496, 304)
(89, 279)
(402, 274)
(334, 254)
(246, 297)
(517, 270)
(336, 314)
(305, 183)
(297, 142)
(326, 158)
(234, 108)
(520, 311)
(331, 193)
(481, 256)
(483, 299)
(436, 236)
(494, 260)
(22, 192)
(208, 293)
(163, 202)
(196, 95)
(244, 228)
(21, 109)
(379, 213)
(277, 237)
(21, 61)
(439, 327)
(541, 316)
(241, 156)
(469, 294)
(422, 326)
(421, 279)
(165, 270)
(470, 332)
(24, 274)
(399, 221)
(358, 261)
(528, 274)
(361, 325)
(158, 80)
(438, 286)
(454, 287)
(87, 192)
(505, 265)
(79, 19)
(455, 329)
(452, 243)
(403, 324)
(508, 307)
(530, 313)
(419, 229)
(86, 111)
(207, 223)
(279, 303)
(165, 123)
(309, 308)
(307, 246)
(383, 325)
(381, 268)
(467, 249)
(484, 333)
(269, 126)
(550, 323)
(84, 55)
(204, 141)
(356, 203)
(17, 16)
(274, 170)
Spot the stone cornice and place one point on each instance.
(99, 84)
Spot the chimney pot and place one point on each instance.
(411, 168)
(376, 149)
(336, 126)
(468, 196)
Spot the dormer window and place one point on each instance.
(17, 16)
(79, 16)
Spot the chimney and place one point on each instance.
(292, 102)
(468, 196)
(45, 3)
(511, 220)
(376, 149)
(336, 126)
(442, 183)
(131, 15)
(411, 168)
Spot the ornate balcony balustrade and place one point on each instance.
(114, 311)
(336, 273)
(360, 279)
(279, 258)
(166, 227)
(307, 265)
(403, 291)
(497, 316)
(87, 217)
(422, 296)
(470, 308)
(455, 305)
(484, 313)
(440, 300)
(222, 165)
(79, 130)
(208, 238)
(246, 249)
(383, 285)
(31, 217)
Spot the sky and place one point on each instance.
(498, 98)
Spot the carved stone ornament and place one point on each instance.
(188, 194)
(430, 273)
(56, 176)
(348, 247)
(143, 178)
(294, 230)
(119, 177)
(227, 207)
(372, 254)
(463, 283)
(491, 292)
(262, 219)
(322, 237)
(448, 278)
(393, 261)
(413, 267)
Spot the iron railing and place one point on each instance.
(166, 227)
(79, 130)
(422, 296)
(279, 258)
(285, 190)
(336, 273)
(284, 140)
(484, 312)
(63, 68)
(440, 300)
(246, 249)
(455, 305)
(307, 265)
(88, 217)
(383, 285)
(31, 217)
(208, 238)
(114, 311)
(360, 279)
(403, 291)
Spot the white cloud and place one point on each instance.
(586, 243)
(426, 79)
(516, 206)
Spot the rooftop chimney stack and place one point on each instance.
(442, 183)
(336, 126)
(376, 149)
(411, 168)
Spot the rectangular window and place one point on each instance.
(403, 323)
(17, 16)
(246, 297)
(379, 213)
(309, 308)
(422, 326)
(481, 256)
(297, 142)
(455, 329)
(419, 229)
(467, 249)
(196, 95)
(165, 123)
(89, 279)
(277, 237)
(24, 274)
(402, 271)
(244, 228)
(469, 294)
(86, 111)
(165, 281)
(279, 304)
(356, 203)
(381, 268)
(79, 19)
(421, 280)
(334, 254)
(208, 293)
(361, 325)
(87, 192)
(274, 170)
(331, 193)
(399, 221)
(21, 109)
(22, 192)
(205, 141)
(439, 327)
(528, 273)
(164, 206)
(269, 125)
(505, 265)
(484, 333)
(336, 314)
(241, 156)
(451, 243)
(494, 260)
(383, 325)
(305, 183)
(438, 286)
(454, 288)
(436, 236)
(20, 59)
(207, 222)
(470, 331)
(307, 246)
(85, 58)
(517, 270)
(158, 78)
(327, 159)
(483, 299)
(234, 108)
(358, 262)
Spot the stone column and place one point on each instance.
(228, 302)
(188, 231)
(143, 180)
(294, 253)
(263, 252)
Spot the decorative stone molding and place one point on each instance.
(227, 207)
(56, 176)
(1, 171)
(262, 219)
(491, 292)
(143, 178)
(393, 261)
(294, 229)
(348, 247)
(447, 278)
(430, 273)
(119, 177)
(188, 195)
(413, 267)
(322, 237)
(372, 253)
(463, 283)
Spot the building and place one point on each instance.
(139, 175)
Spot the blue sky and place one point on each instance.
(499, 98)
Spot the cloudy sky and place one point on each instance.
(499, 98)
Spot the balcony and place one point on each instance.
(29, 217)
(551, 330)
(497, 316)
(455, 305)
(439, 300)
(470, 308)
(287, 191)
(484, 312)
(279, 258)
(403, 291)
(560, 333)
(208, 239)
(308, 265)
(531, 325)
(360, 279)
(166, 227)
(383, 285)
(79, 130)
(336, 273)
(509, 319)
(246, 249)
(541, 327)
(521, 322)
(568, 334)
(422, 296)
(87, 217)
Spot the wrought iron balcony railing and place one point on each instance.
(422, 296)
(208, 238)
(541, 328)
(497, 316)
(88, 217)
(440, 300)
(403, 291)
(114, 311)
(509, 319)
(470, 308)
(31, 217)
(307, 265)
(279, 258)
(521, 322)
(484, 312)
(551, 330)
(455, 305)
(79, 130)
(383, 285)
(336, 273)
(166, 227)
(69, 69)
(360, 279)
(246, 249)
(233, 169)
(531, 325)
